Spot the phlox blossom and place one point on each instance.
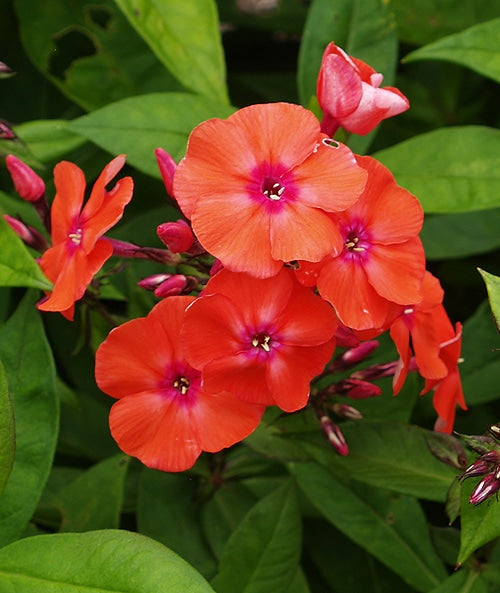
(78, 249)
(259, 185)
(262, 339)
(381, 259)
(349, 93)
(163, 415)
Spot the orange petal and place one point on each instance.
(70, 189)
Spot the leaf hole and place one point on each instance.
(100, 16)
(70, 46)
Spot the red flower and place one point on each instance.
(78, 250)
(263, 340)
(163, 416)
(381, 260)
(257, 187)
(349, 95)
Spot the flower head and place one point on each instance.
(163, 415)
(381, 259)
(350, 96)
(263, 340)
(258, 187)
(78, 250)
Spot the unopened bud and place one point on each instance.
(352, 356)
(355, 389)
(175, 285)
(480, 444)
(334, 436)
(29, 235)
(345, 337)
(177, 236)
(495, 431)
(28, 184)
(152, 282)
(216, 267)
(345, 411)
(5, 71)
(6, 132)
(167, 167)
(488, 486)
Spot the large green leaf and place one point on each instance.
(96, 562)
(463, 581)
(89, 51)
(167, 511)
(480, 524)
(94, 499)
(28, 362)
(493, 286)
(138, 125)
(392, 528)
(477, 48)
(450, 169)
(185, 37)
(262, 555)
(7, 431)
(17, 265)
(480, 368)
(364, 29)
(423, 21)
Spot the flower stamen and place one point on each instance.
(262, 341)
(76, 237)
(181, 384)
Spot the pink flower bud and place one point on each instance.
(28, 184)
(5, 70)
(177, 236)
(334, 436)
(175, 285)
(495, 431)
(354, 355)
(30, 236)
(167, 167)
(350, 96)
(345, 337)
(356, 389)
(345, 411)
(6, 132)
(152, 282)
(488, 486)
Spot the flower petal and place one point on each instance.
(65, 210)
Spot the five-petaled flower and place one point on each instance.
(78, 249)
(163, 415)
(258, 187)
(350, 96)
(262, 339)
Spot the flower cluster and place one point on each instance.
(314, 247)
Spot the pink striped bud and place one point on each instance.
(177, 236)
(334, 436)
(355, 389)
(29, 235)
(495, 431)
(345, 411)
(167, 167)
(175, 285)
(152, 282)
(28, 184)
(354, 355)
(376, 371)
(488, 486)
(5, 71)
(6, 132)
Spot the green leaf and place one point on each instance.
(476, 47)
(138, 125)
(392, 528)
(451, 236)
(95, 562)
(28, 363)
(364, 29)
(263, 553)
(450, 169)
(493, 286)
(167, 511)
(18, 266)
(423, 21)
(94, 499)
(7, 431)
(388, 455)
(480, 368)
(463, 581)
(480, 524)
(89, 51)
(185, 37)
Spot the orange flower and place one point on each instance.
(263, 340)
(163, 416)
(381, 259)
(258, 186)
(78, 250)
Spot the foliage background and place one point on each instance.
(281, 512)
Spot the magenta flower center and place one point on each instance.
(272, 185)
(272, 189)
(356, 240)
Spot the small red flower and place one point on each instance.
(257, 187)
(163, 415)
(348, 93)
(263, 340)
(78, 250)
(381, 259)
